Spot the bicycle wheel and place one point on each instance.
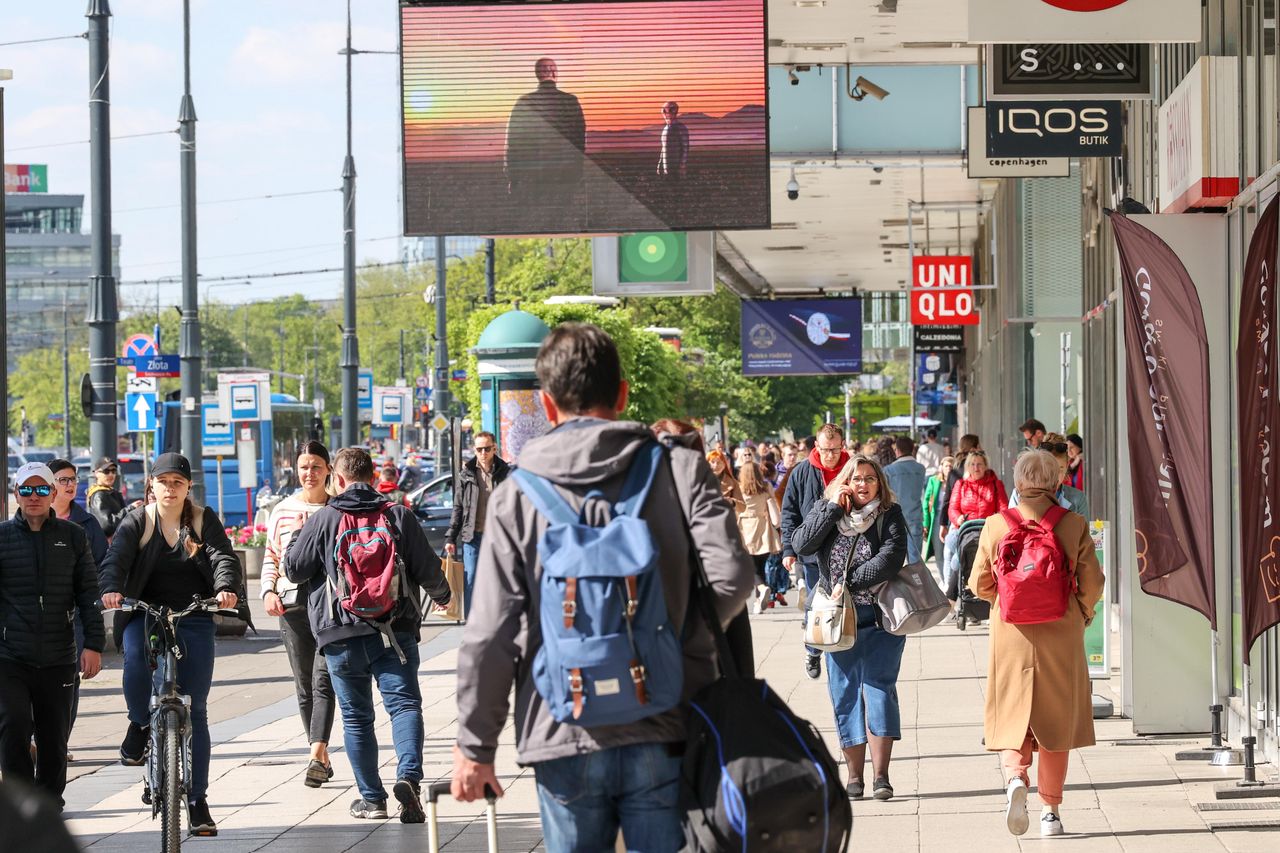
(171, 785)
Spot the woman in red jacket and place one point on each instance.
(979, 495)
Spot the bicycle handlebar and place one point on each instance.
(205, 605)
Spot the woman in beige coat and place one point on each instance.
(759, 522)
(1038, 695)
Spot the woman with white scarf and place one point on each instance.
(860, 538)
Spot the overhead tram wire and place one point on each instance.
(234, 200)
(86, 141)
(151, 282)
(84, 35)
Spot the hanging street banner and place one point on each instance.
(1084, 21)
(1048, 72)
(1055, 129)
(1168, 408)
(1259, 416)
(801, 337)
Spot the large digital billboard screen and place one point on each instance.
(578, 117)
(801, 337)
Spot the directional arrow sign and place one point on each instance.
(140, 412)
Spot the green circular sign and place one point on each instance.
(652, 257)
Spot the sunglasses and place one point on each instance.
(107, 471)
(484, 449)
(28, 491)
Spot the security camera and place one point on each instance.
(791, 75)
(877, 169)
(793, 186)
(865, 87)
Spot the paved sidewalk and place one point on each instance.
(1122, 795)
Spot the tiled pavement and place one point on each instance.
(1122, 795)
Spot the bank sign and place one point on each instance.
(26, 178)
(941, 293)
(1055, 129)
(1084, 21)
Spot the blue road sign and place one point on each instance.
(421, 395)
(217, 439)
(459, 376)
(391, 409)
(244, 402)
(140, 412)
(364, 390)
(158, 365)
(139, 344)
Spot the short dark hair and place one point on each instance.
(56, 465)
(808, 443)
(1075, 439)
(485, 434)
(315, 448)
(354, 464)
(579, 367)
(1032, 426)
(933, 433)
(905, 445)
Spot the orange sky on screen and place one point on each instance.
(466, 65)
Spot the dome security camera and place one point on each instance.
(793, 186)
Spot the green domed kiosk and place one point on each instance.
(509, 404)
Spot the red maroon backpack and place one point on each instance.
(369, 571)
(1032, 578)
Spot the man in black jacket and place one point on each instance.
(358, 650)
(104, 500)
(476, 482)
(46, 573)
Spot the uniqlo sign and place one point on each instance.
(940, 291)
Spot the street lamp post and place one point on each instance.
(189, 354)
(440, 395)
(66, 377)
(724, 424)
(103, 311)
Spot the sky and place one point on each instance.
(466, 67)
(268, 86)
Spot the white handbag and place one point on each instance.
(831, 625)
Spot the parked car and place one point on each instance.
(433, 505)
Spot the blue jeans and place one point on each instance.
(470, 557)
(914, 542)
(353, 667)
(584, 799)
(811, 575)
(195, 677)
(863, 683)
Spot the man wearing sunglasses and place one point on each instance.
(104, 499)
(47, 574)
(479, 477)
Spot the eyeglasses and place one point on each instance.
(28, 491)
(65, 481)
(107, 471)
(864, 481)
(485, 449)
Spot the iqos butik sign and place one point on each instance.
(1054, 129)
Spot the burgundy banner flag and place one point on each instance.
(1259, 412)
(1168, 405)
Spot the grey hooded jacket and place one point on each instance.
(503, 632)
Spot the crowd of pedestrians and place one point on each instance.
(349, 573)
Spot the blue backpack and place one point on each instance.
(609, 654)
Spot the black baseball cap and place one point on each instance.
(171, 463)
(104, 463)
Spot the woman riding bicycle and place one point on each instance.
(283, 598)
(188, 555)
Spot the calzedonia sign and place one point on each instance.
(1055, 129)
(939, 339)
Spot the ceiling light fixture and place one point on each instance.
(810, 4)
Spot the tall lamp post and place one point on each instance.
(5, 74)
(189, 351)
(103, 311)
(724, 424)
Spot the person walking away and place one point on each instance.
(979, 495)
(65, 483)
(1068, 497)
(351, 556)
(759, 524)
(930, 453)
(188, 555)
(389, 485)
(47, 579)
(1038, 697)
(884, 454)
(476, 481)
(907, 479)
(103, 500)
(729, 486)
(859, 535)
(1075, 464)
(591, 780)
(284, 599)
(935, 519)
(1033, 431)
(805, 486)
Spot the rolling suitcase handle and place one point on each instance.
(434, 790)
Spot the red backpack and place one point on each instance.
(1032, 579)
(369, 583)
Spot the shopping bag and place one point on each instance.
(453, 573)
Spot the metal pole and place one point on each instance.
(402, 376)
(440, 396)
(244, 361)
(1215, 708)
(848, 431)
(220, 512)
(103, 312)
(1064, 342)
(189, 347)
(350, 345)
(4, 338)
(66, 377)
(490, 284)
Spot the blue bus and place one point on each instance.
(278, 439)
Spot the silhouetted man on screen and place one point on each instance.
(673, 158)
(546, 142)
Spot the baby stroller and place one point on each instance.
(969, 608)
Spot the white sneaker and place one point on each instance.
(1050, 825)
(763, 594)
(1015, 814)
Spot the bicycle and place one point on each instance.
(168, 767)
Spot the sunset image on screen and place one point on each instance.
(576, 117)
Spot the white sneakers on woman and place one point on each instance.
(1050, 824)
(1015, 814)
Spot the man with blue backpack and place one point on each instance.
(580, 602)
(364, 563)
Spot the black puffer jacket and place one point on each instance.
(462, 526)
(44, 577)
(108, 506)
